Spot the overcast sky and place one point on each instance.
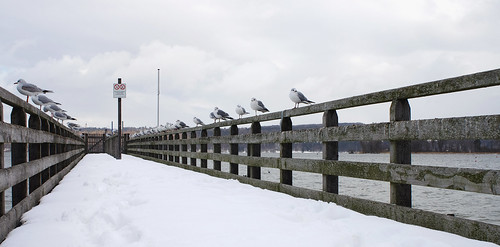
(223, 53)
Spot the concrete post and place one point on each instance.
(184, 148)
(204, 149)
(34, 153)
(193, 148)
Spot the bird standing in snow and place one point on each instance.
(29, 89)
(179, 124)
(297, 97)
(220, 114)
(241, 111)
(197, 121)
(257, 105)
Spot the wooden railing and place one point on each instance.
(180, 146)
(42, 153)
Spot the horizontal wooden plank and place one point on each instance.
(10, 133)
(467, 228)
(462, 128)
(15, 174)
(464, 179)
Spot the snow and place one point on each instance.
(134, 202)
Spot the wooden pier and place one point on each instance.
(187, 148)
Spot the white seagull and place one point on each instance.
(62, 116)
(179, 124)
(53, 108)
(241, 111)
(220, 114)
(29, 89)
(212, 116)
(297, 97)
(197, 121)
(257, 105)
(42, 100)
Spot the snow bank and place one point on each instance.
(133, 202)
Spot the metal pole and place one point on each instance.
(119, 153)
(158, 102)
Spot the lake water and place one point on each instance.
(475, 206)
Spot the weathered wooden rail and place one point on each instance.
(185, 147)
(42, 152)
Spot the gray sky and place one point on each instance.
(223, 53)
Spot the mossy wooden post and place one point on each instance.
(330, 152)
(184, 148)
(254, 150)
(2, 165)
(233, 167)
(45, 149)
(176, 148)
(193, 148)
(400, 153)
(18, 152)
(204, 148)
(35, 152)
(286, 151)
(217, 149)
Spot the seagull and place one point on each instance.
(297, 97)
(179, 124)
(29, 89)
(220, 114)
(257, 105)
(73, 126)
(197, 121)
(42, 100)
(62, 116)
(212, 116)
(52, 108)
(241, 111)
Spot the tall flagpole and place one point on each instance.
(158, 102)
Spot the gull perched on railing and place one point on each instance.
(297, 97)
(42, 100)
(241, 111)
(212, 116)
(62, 116)
(257, 105)
(198, 121)
(29, 89)
(220, 114)
(179, 124)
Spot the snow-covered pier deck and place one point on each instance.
(135, 202)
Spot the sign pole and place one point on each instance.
(119, 155)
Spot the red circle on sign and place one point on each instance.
(117, 86)
(122, 86)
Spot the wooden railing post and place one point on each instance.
(18, 152)
(2, 165)
(176, 147)
(204, 149)
(254, 150)
(217, 150)
(233, 167)
(171, 147)
(184, 148)
(400, 153)
(46, 150)
(286, 151)
(193, 148)
(34, 153)
(330, 152)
